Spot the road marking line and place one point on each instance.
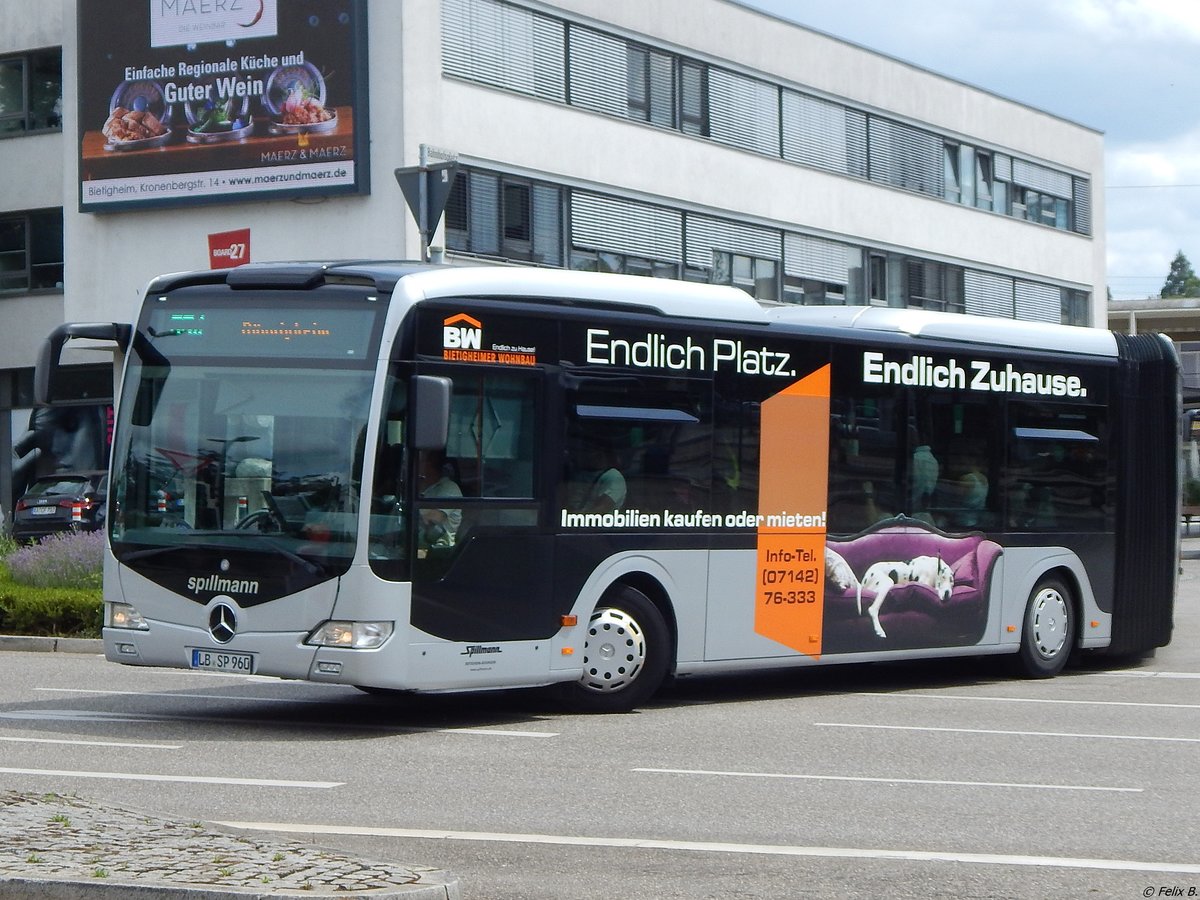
(176, 694)
(1034, 700)
(89, 715)
(23, 740)
(989, 859)
(1142, 674)
(925, 781)
(187, 779)
(1066, 734)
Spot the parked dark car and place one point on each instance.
(67, 501)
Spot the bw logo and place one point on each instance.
(461, 332)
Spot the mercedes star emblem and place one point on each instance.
(222, 623)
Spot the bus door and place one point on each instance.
(479, 560)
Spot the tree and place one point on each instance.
(1182, 280)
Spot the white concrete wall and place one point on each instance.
(30, 178)
(30, 26)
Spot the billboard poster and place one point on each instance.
(182, 101)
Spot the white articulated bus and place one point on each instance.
(416, 478)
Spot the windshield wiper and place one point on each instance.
(307, 564)
(156, 551)
(312, 568)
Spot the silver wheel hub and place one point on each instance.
(1048, 622)
(614, 651)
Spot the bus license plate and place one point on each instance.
(221, 661)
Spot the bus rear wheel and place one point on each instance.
(625, 653)
(1048, 635)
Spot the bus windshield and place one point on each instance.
(228, 453)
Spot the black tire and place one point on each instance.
(626, 654)
(1048, 632)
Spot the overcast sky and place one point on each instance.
(1127, 68)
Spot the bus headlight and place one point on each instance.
(350, 635)
(122, 615)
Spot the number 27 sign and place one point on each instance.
(229, 248)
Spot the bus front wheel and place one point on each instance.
(1048, 635)
(625, 653)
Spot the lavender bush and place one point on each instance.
(69, 559)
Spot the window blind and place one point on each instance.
(626, 226)
(743, 112)
(705, 235)
(987, 294)
(905, 157)
(505, 46)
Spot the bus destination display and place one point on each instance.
(322, 333)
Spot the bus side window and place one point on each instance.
(644, 444)
(595, 478)
(864, 469)
(492, 435)
(1059, 468)
(959, 431)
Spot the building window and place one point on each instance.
(457, 219)
(650, 75)
(515, 218)
(969, 178)
(31, 92)
(908, 281)
(1076, 308)
(693, 98)
(500, 216)
(584, 260)
(31, 250)
(952, 186)
(877, 280)
(1035, 206)
(932, 285)
(983, 180)
(756, 276)
(504, 45)
(821, 272)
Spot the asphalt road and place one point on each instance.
(932, 780)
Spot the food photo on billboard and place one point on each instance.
(190, 103)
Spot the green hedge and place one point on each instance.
(55, 612)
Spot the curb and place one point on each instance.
(21, 642)
(79, 890)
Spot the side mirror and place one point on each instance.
(430, 412)
(56, 384)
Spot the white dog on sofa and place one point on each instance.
(930, 571)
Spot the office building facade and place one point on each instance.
(724, 145)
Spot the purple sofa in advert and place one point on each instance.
(914, 613)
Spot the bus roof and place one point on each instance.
(670, 297)
(942, 326)
(417, 281)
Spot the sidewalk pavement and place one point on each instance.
(55, 847)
